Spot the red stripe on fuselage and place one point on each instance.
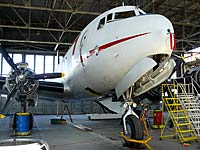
(119, 41)
(174, 48)
(105, 46)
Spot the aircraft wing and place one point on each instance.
(51, 86)
(51, 90)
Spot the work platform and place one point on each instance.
(104, 135)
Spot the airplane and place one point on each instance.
(122, 53)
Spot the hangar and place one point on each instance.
(40, 32)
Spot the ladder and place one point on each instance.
(190, 104)
(183, 129)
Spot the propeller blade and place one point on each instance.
(6, 107)
(46, 76)
(9, 100)
(8, 59)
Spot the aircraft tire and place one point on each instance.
(135, 131)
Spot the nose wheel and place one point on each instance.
(134, 127)
(133, 130)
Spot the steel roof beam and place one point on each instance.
(20, 17)
(186, 24)
(34, 42)
(49, 9)
(39, 28)
(50, 13)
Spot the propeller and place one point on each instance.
(45, 76)
(22, 80)
(9, 59)
(10, 98)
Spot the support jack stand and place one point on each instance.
(61, 120)
(146, 135)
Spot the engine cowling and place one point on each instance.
(26, 86)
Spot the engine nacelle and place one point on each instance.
(27, 87)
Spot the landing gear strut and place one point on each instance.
(132, 126)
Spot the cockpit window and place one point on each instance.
(101, 23)
(109, 17)
(126, 14)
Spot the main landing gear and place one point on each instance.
(134, 127)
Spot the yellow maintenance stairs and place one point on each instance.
(183, 128)
(189, 99)
(192, 107)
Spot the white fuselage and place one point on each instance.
(106, 50)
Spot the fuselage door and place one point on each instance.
(83, 47)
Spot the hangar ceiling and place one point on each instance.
(50, 25)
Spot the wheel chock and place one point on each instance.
(148, 138)
(58, 121)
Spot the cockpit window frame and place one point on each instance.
(109, 17)
(102, 22)
(124, 14)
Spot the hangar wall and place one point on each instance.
(54, 107)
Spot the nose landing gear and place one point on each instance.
(134, 127)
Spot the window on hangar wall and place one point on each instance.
(6, 67)
(49, 63)
(30, 60)
(39, 64)
(57, 62)
(35, 62)
(17, 58)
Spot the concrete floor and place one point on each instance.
(104, 135)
